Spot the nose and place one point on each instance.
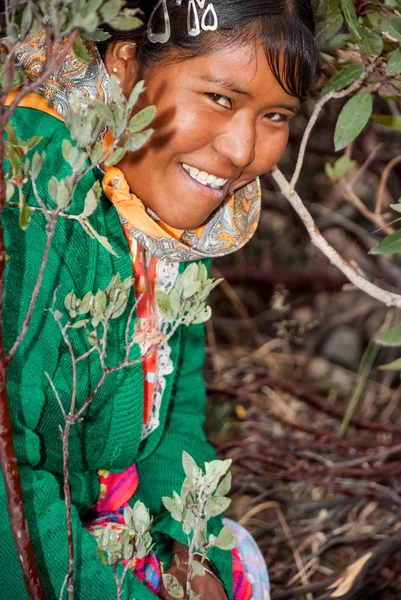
(236, 141)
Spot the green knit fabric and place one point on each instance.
(109, 435)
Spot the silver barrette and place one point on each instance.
(195, 24)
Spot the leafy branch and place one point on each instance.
(93, 313)
(202, 496)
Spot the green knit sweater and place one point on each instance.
(110, 433)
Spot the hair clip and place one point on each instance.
(164, 37)
(210, 11)
(209, 21)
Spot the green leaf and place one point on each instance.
(63, 194)
(191, 289)
(392, 337)
(391, 121)
(175, 302)
(26, 20)
(101, 554)
(115, 90)
(10, 189)
(13, 157)
(18, 79)
(391, 24)
(216, 506)
(81, 51)
(66, 147)
(103, 112)
(142, 119)
(86, 302)
(91, 231)
(225, 540)
(25, 212)
(96, 36)
(37, 163)
(338, 41)
(352, 120)
(70, 301)
(163, 302)
(12, 32)
(140, 517)
(11, 133)
(217, 468)
(173, 508)
(137, 140)
(126, 22)
(191, 469)
(136, 92)
(92, 200)
(390, 245)
(328, 29)
(97, 153)
(110, 10)
(203, 316)
(115, 157)
(371, 42)
(340, 168)
(394, 63)
(80, 324)
(348, 10)
(120, 305)
(172, 586)
(198, 568)
(395, 365)
(225, 486)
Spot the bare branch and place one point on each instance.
(386, 297)
(36, 289)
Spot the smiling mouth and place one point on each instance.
(204, 178)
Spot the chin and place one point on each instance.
(185, 223)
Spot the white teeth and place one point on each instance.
(205, 178)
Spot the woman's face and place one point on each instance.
(222, 120)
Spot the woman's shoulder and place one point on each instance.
(33, 118)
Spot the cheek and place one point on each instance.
(271, 148)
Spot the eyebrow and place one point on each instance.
(232, 87)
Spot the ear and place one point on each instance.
(120, 60)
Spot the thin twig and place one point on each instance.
(315, 115)
(55, 393)
(383, 183)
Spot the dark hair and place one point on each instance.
(286, 28)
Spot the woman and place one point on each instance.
(226, 78)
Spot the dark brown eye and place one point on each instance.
(219, 99)
(277, 117)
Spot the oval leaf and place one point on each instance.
(390, 245)
(352, 120)
(142, 119)
(394, 64)
(115, 157)
(342, 78)
(392, 337)
(391, 24)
